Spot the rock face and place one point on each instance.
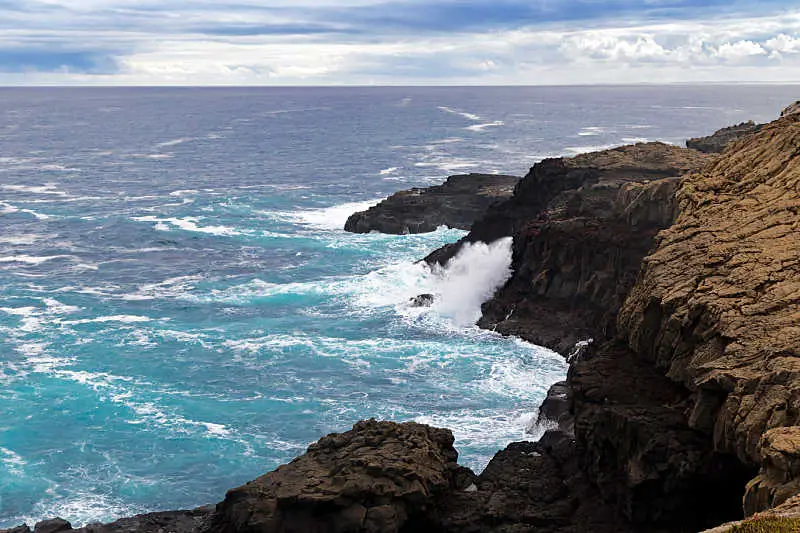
(457, 203)
(581, 227)
(719, 140)
(716, 311)
(380, 477)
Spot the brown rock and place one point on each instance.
(379, 477)
(717, 306)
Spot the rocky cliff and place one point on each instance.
(457, 203)
(581, 227)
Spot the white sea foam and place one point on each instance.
(175, 142)
(326, 218)
(124, 319)
(189, 224)
(470, 116)
(47, 188)
(390, 170)
(32, 259)
(480, 127)
(591, 131)
(634, 140)
(13, 462)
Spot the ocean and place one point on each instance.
(181, 311)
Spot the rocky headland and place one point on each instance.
(456, 203)
(682, 414)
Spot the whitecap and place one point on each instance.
(327, 218)
(591, 131)
(175, 142)
(390, 170)
(125, 319)
(32, 259)
(480, 127)
(189, 224)
(470, 116)
(47, 188)
(13, 462)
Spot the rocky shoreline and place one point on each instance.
(681, 414)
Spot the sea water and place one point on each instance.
(180, 310)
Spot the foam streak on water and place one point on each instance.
(180, 310)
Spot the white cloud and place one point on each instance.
(740, 50)
(765, 49)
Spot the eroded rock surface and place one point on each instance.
(457, 203)
(720, 139)
(581, 227)
(380, 477)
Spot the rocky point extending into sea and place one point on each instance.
(681, 414)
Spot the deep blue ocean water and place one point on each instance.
(181, 312)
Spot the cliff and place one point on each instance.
(581, 227)
(457, 203)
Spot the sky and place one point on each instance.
(397, 42)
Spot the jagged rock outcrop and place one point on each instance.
(581, 227)
(380, 477)
(531, 487)
(457, 203)
(720, 139)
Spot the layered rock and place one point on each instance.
(581, 227)
(457, 203)
(698, 390)
(720, 139)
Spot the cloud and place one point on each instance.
(398, 42)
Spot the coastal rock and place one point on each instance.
(581, 227)
(791, 110)
(423, 300)
(720, 139)
(715, 312)
(531, 487)
(557, 407)
(54, 525)
(457, 203)
(380, 477)
(194, 521)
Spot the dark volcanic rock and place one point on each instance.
(380, 477)
(55, 525)
(456, 203)
(195, 521)
(719, 140)
(557, 407)
(531, 487)
(581, 227)
(423, 300)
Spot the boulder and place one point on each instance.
(380, 477)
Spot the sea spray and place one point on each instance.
(470, 278)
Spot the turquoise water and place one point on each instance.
(181, 312)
